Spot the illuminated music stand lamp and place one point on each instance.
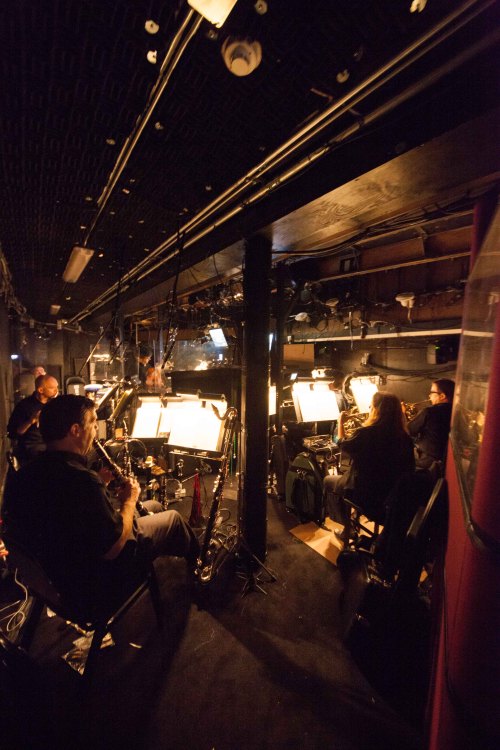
(363, 390)
(195, 426)
(147, 418)
(315, 401)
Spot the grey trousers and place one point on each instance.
(165, 532)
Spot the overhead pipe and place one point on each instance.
(449, 25)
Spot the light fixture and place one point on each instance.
(217, 335)
(214, 11)
(54, 309)
(241, 56)
(302, 317)
(78, 259)
(407, 299)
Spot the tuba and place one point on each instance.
(217, 544)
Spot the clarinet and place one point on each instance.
(117, 473)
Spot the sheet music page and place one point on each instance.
(147, 419)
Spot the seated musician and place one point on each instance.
(431, 426)
(380, 451)
(62, 513)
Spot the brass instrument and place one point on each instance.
(354, 421)
(411, 409)
(216, 543)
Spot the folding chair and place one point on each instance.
(45, 594)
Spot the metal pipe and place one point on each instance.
(449, 25)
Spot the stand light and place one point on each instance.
(214, 11)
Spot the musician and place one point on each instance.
(380, 451)
(24, 383)
(144, 360)
(22, 427)
(61, 511)
(431, 426)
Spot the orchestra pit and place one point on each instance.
(249, 375)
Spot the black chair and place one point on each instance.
(45, 594)
(379, 583)
(360, 535)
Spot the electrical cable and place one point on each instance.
(16, 619)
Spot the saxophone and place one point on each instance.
(217, 544)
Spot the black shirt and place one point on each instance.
(430, 428)
(30, 444)
(61, 512)
(378, 460)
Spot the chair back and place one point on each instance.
(410, 492)
(427, 532)
(32, 575)
(75, 385)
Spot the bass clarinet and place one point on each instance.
(207, 563)
(118, 473)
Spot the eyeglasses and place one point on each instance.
(436, 392)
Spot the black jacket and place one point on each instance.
(430, 428)
(30, 444)
(378, 460)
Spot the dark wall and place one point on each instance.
(6, 391)
(225, 381)
(408, 366)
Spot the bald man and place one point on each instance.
(23, 423)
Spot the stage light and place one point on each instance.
(77, 262)
(406, 299)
